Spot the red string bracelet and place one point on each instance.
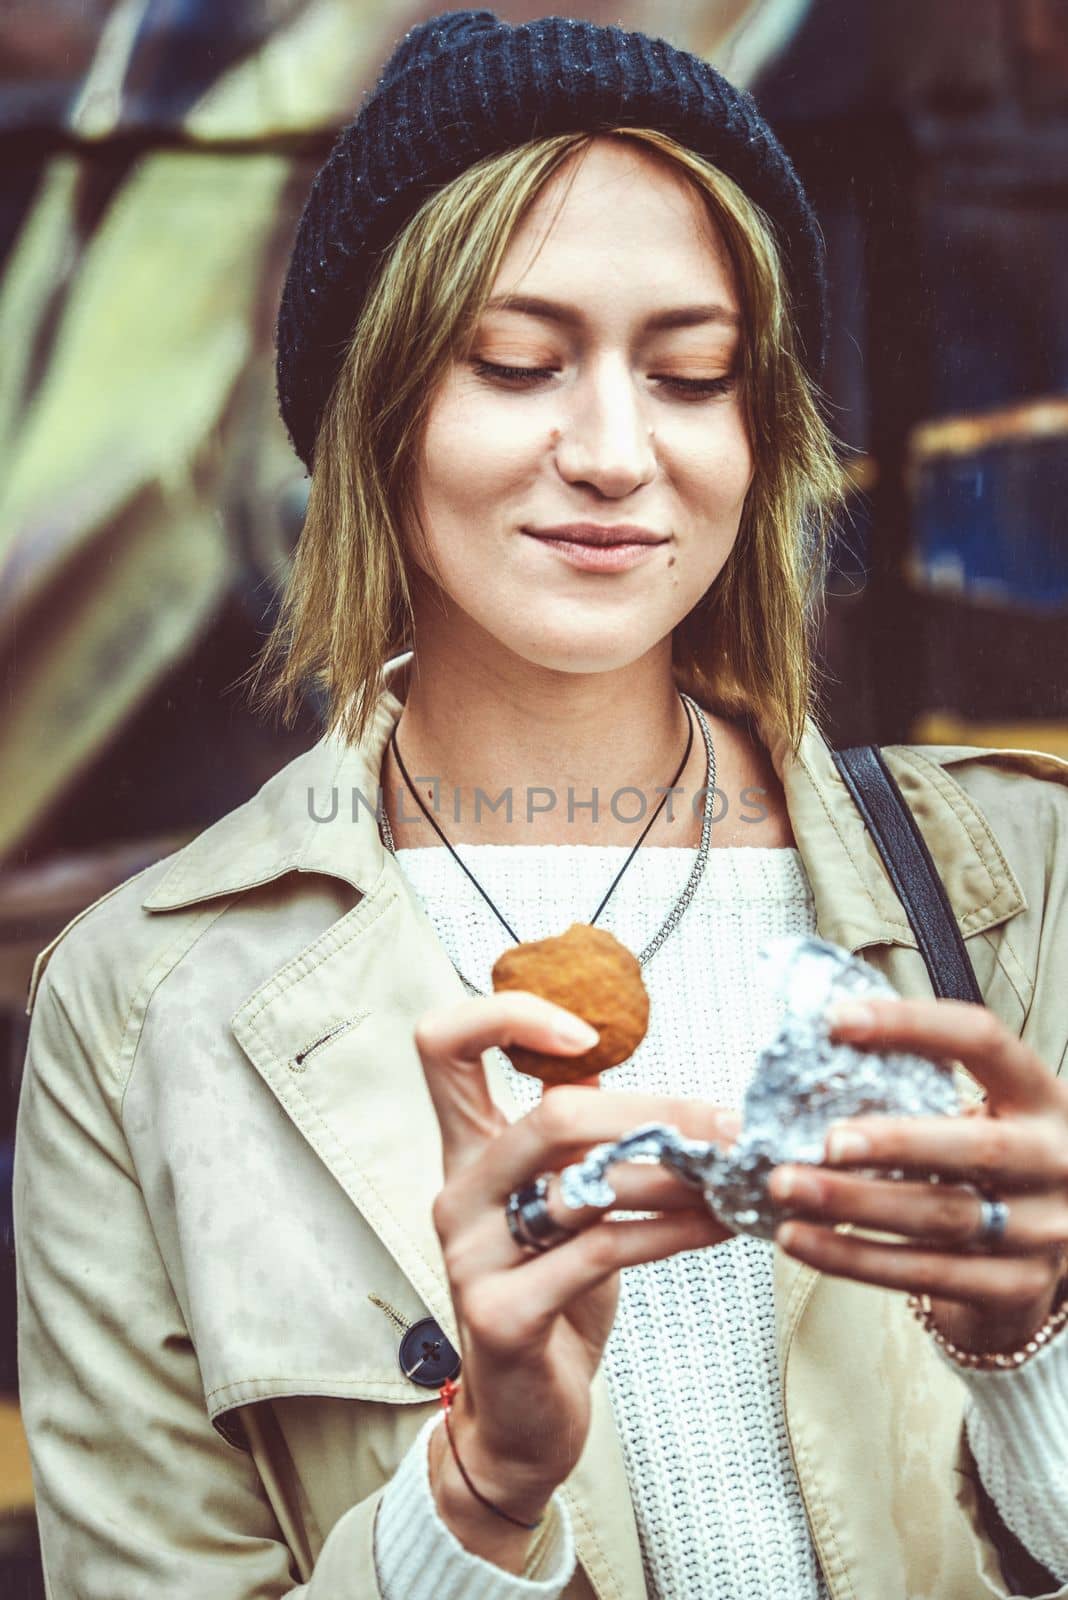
(448, 1392)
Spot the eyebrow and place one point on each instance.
(676, 317)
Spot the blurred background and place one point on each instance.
(154, 157)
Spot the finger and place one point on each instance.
(561, 1129)
(511, 1310)
(567, 1122)
(450, 1042)
(1010, 1152)
(487, 1245)
(999, 1280)
(638, 1185)
(959, 1030)
(941, 1213)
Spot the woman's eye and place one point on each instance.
(489, 369)
(692, 388)
(701, 388)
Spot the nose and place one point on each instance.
(606, 441)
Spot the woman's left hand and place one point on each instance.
(1014, 1147)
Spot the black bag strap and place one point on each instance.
(912, 872)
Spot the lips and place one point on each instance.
(600, 557)
(592, 533)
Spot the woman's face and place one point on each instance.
(617, 406)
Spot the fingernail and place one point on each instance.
(850, 1014)
(843, 1146)
(573, 1031)
(729, 1123)
(788, 1185)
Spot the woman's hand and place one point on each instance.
(533, 1327)
(1014, 1147)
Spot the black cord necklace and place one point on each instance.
(419, 802)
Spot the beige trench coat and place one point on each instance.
(226, 1144)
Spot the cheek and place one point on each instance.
(470, 434)
(474, 451)
(727, 465)
(733, 456)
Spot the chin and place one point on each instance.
(575, 658)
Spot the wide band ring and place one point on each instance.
(530, 1222)
(993, 1221)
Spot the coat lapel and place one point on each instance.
(371, 980)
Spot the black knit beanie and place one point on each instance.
(464, 86)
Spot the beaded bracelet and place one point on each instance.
(989, 1360)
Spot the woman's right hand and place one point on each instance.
(533, 1327)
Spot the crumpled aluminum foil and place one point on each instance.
(802, 1084)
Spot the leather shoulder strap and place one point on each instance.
(912, 871)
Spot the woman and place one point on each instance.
(267, 1137)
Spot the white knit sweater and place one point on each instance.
(690, 1362)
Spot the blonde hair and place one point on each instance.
(747, 647)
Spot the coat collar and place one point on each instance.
(316, 815)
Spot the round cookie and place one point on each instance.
(588, 971)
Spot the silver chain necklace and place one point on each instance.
(673, 917)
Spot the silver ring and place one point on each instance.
(993, 1221)
(529, 1220)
